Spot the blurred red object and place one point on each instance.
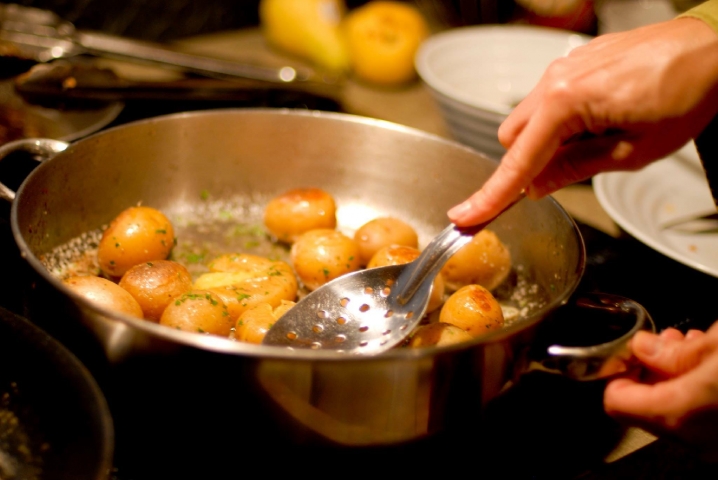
(576, 15)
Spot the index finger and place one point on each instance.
(514, 124)
(545, 131)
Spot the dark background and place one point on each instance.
(166, 20)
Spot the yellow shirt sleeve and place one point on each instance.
(707, 141)
(706, 11)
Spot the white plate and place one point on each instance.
(491, 67)
(674, 187)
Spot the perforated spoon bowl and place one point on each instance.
(372, 310)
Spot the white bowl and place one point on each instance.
(478, 74)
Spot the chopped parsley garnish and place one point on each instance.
(194, 257)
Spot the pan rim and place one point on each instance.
(228, 346)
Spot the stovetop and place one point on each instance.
(544, 427)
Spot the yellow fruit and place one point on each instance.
(310, 29)
(382, 37)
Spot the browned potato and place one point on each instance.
(398, 255)
(393, 255)
(251, 265)
(105, 294)
(243, 281)
(154, 285)
(322, 255)
(383, 232)
(438, 334)
(485, 261)
(136, 235)
(254, 323)
(244, 295)
(473, 309)
(199, 311)
(297, 211)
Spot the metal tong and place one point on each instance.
(43, 36)
(72, 85)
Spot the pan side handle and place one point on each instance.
(40, 148)
(589, 338)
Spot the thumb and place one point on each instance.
(669, 356)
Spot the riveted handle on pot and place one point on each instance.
(40, 148)
(589, 338)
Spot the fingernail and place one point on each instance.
(646, 343)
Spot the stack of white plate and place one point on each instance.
(478, 74)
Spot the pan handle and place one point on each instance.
(589, 338)
(40, 148)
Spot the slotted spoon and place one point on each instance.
(371, 310)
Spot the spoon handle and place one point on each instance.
(437, 253)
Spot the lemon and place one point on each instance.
(310, 29)
(382, 38)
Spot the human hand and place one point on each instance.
(679, 395)
(617, 103)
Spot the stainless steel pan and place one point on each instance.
(197, 165)
(54, 420)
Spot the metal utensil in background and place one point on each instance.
(44, 36)
(72, 85)
(371, 310)
(696, 223)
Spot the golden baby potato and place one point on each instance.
(248, 264)
(244, 280)
(474, 309)
(242, 296)
(438, 335)
(399, 255)
(292, 213)
(382, 232)
(104, 293)
(198, 311)
(254, 323)
(136, 235)
(393, 255)
(155, 284)
(321, 255)
(485, 261)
